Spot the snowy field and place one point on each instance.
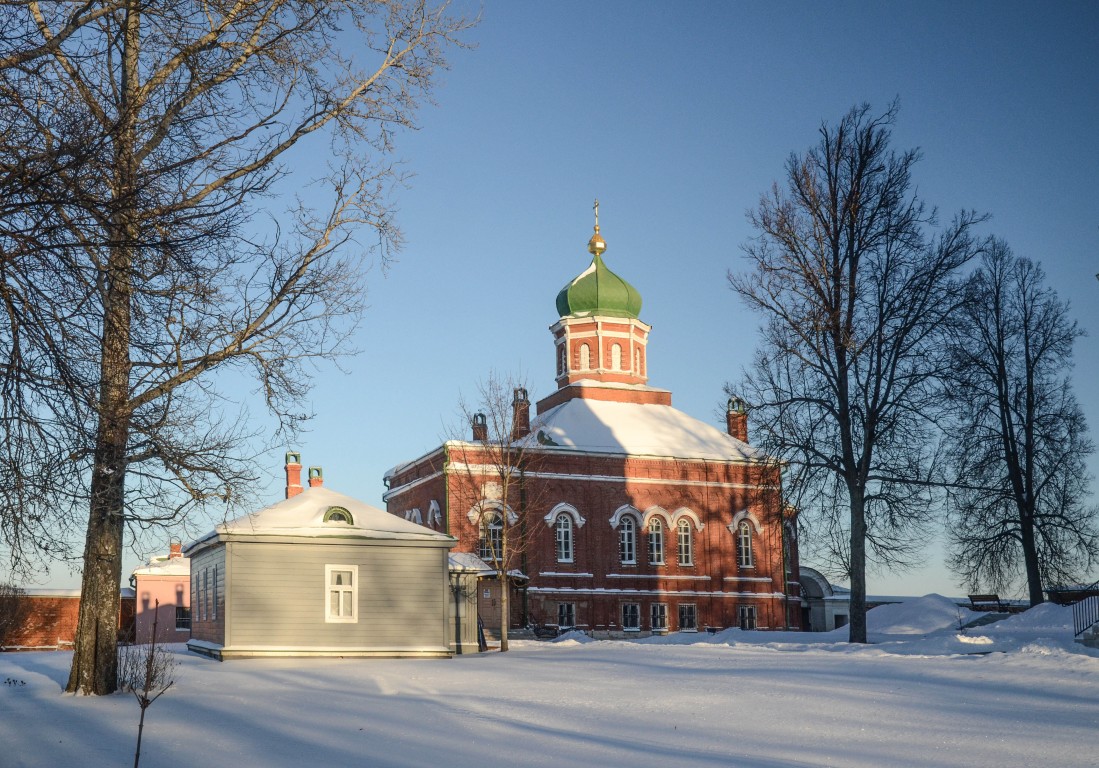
(1015, 693)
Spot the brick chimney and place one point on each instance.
(293, 474)
(520, 414)
(480, 428)
(736, 419)
(175, 549)
(316, 477)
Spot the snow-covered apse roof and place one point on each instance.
(603, 426)
(319, 513)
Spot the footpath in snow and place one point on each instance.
(1015, 693)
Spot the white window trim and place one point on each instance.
(568, 509)
(684, 512)
(328, 617)
(744, 515)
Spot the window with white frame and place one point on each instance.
(745, 558)
(688, 617)
(341, 593)
(564, 538)
(658, 616)
(746, 616)
(631, 617)
(685, 550)
(566, 615)
(656, 541)
(627, 540)
(616, 357)
(491, 544)
(585, 357)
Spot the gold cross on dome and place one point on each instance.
(596, 209)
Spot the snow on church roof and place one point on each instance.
(310, 515)
(603, 426)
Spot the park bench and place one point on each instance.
(987, 603)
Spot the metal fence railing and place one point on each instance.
(1085, 613)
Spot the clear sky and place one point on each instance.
(677, 116)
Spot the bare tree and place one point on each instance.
(13, 608)
(852, 287)
(140, 140)
(147, 671)
(1019, 442)
(493, 468)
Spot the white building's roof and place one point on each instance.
(303, 516)
(633, 429)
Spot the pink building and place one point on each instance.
(167, 579)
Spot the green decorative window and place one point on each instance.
(338, 515)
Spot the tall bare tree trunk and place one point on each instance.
(857, 608)
(95, 661)
(1030, 558)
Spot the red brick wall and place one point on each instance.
(714, 491)
(49, 622)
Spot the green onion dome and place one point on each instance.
(597, 290)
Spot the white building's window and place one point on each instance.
(656, 541)
(566, 615)
(744, 545)
(686, 546)
(342, 593)
(491, 546)
(585, 357)
(658, 616)
(631, 616)
(627, 540)
(616, 357)
(688, 618)
(564, 538)
(746, 615)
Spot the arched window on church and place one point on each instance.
(627, 540)
(656, 541)
(564, 538)
(585, 357)
(685, 550)
(560, 359)
(616, 357)
(491, 544)
(744, 545)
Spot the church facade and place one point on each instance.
(617, 513)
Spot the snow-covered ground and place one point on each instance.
(1015, 693)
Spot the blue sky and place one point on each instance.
(677, 116)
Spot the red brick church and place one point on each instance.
(628, 516)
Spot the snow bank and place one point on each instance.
(918, 617)
(1044, 617)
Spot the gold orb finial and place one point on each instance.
(597, 244)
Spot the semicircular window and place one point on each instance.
(338, 515)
